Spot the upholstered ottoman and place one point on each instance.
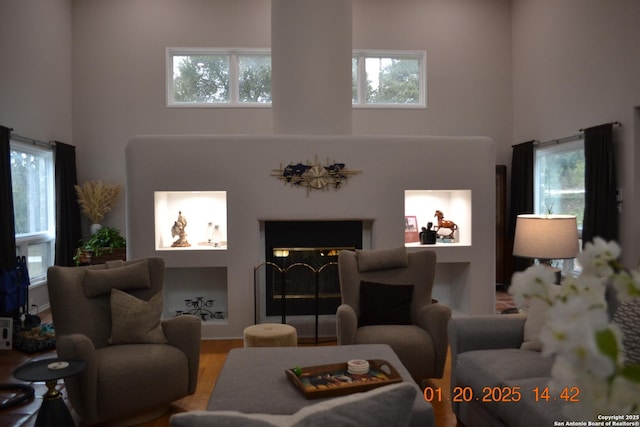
(270, 335)
(253, 380)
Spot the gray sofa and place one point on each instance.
(486, 354)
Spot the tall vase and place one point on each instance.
(94, 228)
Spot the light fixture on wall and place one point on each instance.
(546, 237)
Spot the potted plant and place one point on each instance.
(104, 245)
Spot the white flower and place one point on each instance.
(596, 257)
(571, 329)
(625, 396)
(534, 282)
(563, 374)
(588, 350)
(585, 286)
(626, 284)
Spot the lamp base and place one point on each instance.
(556, 271)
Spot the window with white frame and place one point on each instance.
(559, 184)
(237, 77)
(32, 178)
(209, 78)
(389, 79)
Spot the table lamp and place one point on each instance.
(546, 237)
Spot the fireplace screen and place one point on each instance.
(300, 277)
(304, 277)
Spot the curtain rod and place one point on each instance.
(569, 138)
(21, 138)
(612, 124)
(559, 140)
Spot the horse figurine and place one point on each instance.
(444, 223)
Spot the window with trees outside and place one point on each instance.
(32, 178)
(228, 78)
(388, 79)
(559, 183)
(210, 78)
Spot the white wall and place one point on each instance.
(468, 45)
(35, 77)
(465, 273)
(576, 65)
(119, 75)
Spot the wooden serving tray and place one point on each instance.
(334, 380)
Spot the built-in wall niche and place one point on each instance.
(184, 285)
(454, 204)
(203, 212)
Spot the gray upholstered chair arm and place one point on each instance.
(434, 318)
(184, 332)
(484, 332)
(346, 324)
(78, 346)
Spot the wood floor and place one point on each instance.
(212, 356)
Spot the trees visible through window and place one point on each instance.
(389, 79)
(559, 186)
(254, 82)
(211, 77)
(559, 179)
(201, 79)
(32, 180)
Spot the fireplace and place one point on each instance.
(301, 255)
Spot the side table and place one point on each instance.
(53, 411)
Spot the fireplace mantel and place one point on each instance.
(240, 167)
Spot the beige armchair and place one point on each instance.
(386, 299)
(137, 364)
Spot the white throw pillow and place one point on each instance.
(385, 406)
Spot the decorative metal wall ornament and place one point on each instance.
(314, 176)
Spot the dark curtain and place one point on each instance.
(600, 205)
(521, 193)
(68, 231)
(7, 222)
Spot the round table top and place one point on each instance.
(49, 369)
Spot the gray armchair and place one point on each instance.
(420, 337)
(128, 378)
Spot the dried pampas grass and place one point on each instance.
(96, 198)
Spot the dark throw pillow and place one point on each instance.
(382, 304)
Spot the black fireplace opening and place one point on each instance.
(301, 255)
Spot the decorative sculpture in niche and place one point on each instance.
(427, 235)
(178, 229)
(443, 223)
(314, 176)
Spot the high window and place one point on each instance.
(384, 79)
(209, 78)
(242, 78)
(32, 179)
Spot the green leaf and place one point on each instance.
(631, 372)
(607, 344)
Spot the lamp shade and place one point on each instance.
(546, 236)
